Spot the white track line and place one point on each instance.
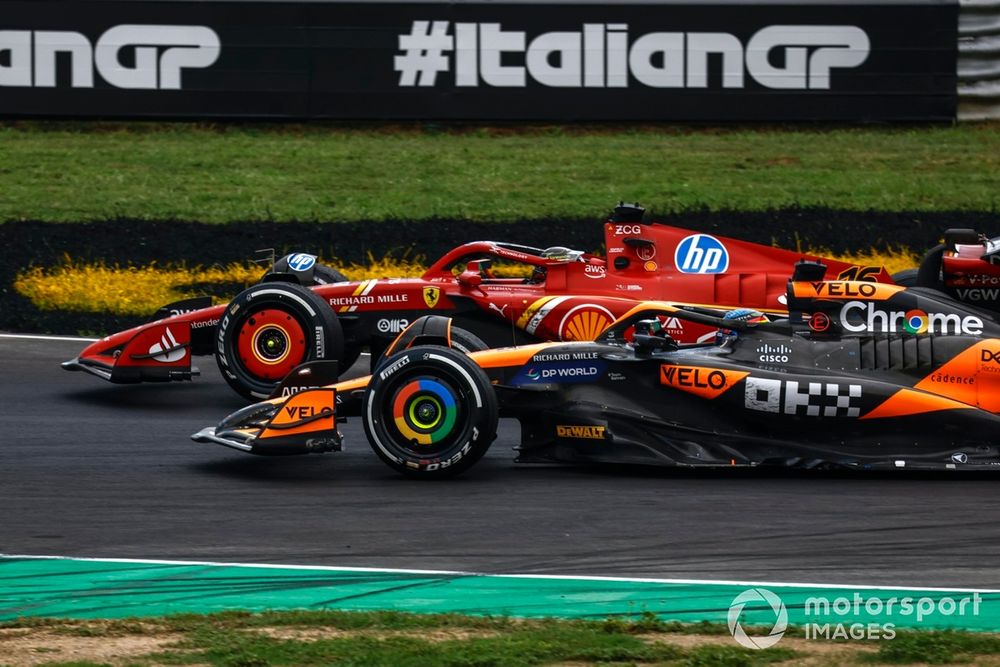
(41, 337)
(561, 577)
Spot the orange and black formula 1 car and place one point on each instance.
(859, 375)
(557, 294)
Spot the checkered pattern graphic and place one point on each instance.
(813, 399)
(803, 399)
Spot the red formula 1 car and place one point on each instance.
(966, 266)
(561, 294)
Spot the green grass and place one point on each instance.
(308, 638)
(72, 172)
(935, 648)
(390, 639)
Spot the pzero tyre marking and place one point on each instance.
(285, 294)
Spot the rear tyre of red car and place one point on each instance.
(906, 278)
(321, 275)
(430, 412)
(462, 340)
(268, 330)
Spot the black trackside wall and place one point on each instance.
(343, 60)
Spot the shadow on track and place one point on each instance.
(165, 397)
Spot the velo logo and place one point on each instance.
(300, 262)
(758, 598)
(701, 253)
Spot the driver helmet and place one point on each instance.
(561, 254)
(725, 337)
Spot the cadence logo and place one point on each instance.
(757, 598)
(157, 53)
(603, 55)
(913, 321)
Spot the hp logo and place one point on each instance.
(301, 262)
(701, 253)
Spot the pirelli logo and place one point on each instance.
(585, 432)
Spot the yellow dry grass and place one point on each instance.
(139, 290)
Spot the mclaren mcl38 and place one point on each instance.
(859, 375)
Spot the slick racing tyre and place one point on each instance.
(321, 275)
(327, 275)
(462, 340)
(906, 278)
(268, 330)
(466, 341)
(430, 412)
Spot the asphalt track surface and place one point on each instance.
(90, 469)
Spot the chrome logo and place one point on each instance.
(915, 322)
(424, 411)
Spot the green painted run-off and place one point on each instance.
(72, 588)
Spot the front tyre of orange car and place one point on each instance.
(430, 412)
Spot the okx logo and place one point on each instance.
(701, 253)
(771, 609)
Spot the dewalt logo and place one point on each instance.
(586, 432)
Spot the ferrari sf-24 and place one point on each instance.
(560, 294)
(859, 375)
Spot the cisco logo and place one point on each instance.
(701, 253)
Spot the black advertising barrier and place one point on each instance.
(708, 61)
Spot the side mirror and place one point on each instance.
(470, 278)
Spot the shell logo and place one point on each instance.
(585, 322)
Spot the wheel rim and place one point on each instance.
(425, 411)
(270, 344)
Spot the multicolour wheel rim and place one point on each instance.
(424, 411)
(270, 344)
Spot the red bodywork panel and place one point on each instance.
(573, 296)
(966, 266)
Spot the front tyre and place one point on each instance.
(430, 412)
(268, 330)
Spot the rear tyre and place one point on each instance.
(465, 341)
(430, 413)
(268, 330)
(929, 273)
(461, 339)
(327, 275)
(321, 275)
(906, 278)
